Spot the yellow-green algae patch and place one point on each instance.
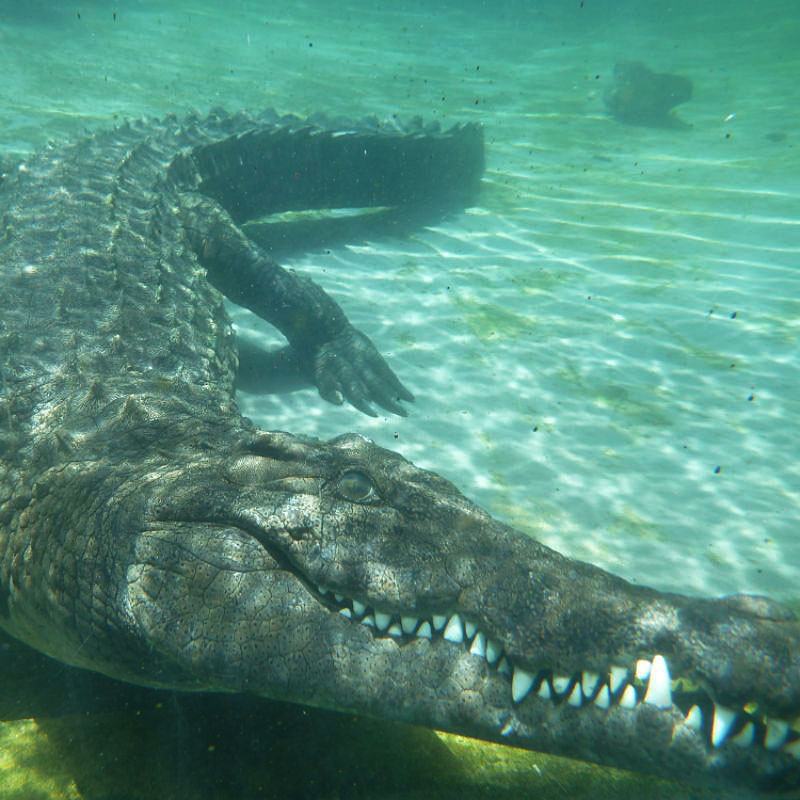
(30, 767)
(627, 524)
(503, 771)
(488, 321)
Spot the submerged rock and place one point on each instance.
(640, 96)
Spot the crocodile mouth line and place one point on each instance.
(646, 681)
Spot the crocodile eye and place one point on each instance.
(355, 486)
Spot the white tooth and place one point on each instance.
(395, 630)
(589, 682)
(642, 669)
(575, 697)
(470, 628)
(382, 620)
(322, 589)
(521, 684)
(439, 621)
(721, 725)
(425, 631)
(345, 612)
(694, 719)
(544, 690)
(454, 632)
(409, 624)
(776, 733)
(493, 651)
(658, 688)
(368, 620)
(745, 736)
(793, 748)
(617, 677)
(603, 699)
(628, 699)
(504, 668)
(359, 608)
(338, 597)
(478, 645)
(560, 684)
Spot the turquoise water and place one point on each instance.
(605, 350)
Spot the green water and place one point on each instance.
(604, 349)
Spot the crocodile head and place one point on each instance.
(339, 574)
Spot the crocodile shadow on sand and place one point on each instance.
(149, 532)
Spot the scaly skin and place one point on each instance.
(148, 532)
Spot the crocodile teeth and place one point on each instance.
(745, 736)
(658, 688)
(454, 632)
(521, 684)
(643, 667)
(560, 684)
(628, 699)
(478, 647)
(589, 683)
(575, 698)
(409, 624)
(581, 688)
(777, 730)
(694, 719)
(617, 676)
(382, 620)
(425, 631)
(721, 724)
(493, 651)
(603, 699)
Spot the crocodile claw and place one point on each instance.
(349, 367)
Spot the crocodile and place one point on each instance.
(150, 532)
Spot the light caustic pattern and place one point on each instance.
(610, 365)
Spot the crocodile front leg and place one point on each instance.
(340, 361)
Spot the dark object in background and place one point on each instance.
(640, 96)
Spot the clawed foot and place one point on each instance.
(349, 367)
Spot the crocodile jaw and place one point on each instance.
(413, 604)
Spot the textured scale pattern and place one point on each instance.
(148, 532)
